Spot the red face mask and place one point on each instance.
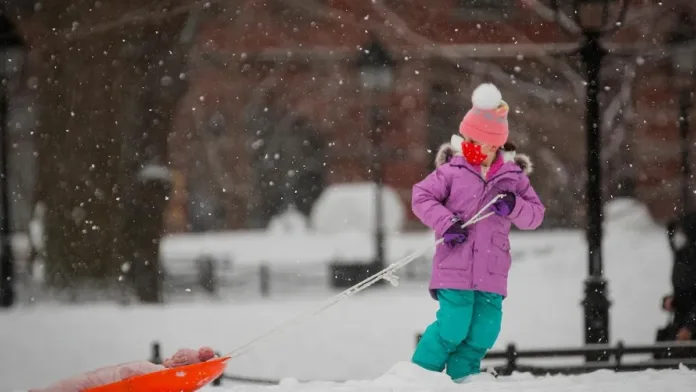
(472, 153)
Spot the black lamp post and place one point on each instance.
(376, 76)
(593, 17)
(683, 40)
(11, 62)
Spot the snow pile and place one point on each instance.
(628, 214)
(406, 377)
(290, 221)
(253, 248)
(351, 206)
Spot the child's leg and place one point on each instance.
(485, 327)
(450, 329)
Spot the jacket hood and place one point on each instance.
(448, 150)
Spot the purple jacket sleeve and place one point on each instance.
(427, 201)
(529, 211)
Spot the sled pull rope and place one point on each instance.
(383, 274)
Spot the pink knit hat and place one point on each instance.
(486, 122)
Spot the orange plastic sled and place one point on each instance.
(181, 379)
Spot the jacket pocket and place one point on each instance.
(455, 258)
(501, 261)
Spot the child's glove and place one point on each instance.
(504, 206)
(456, 234)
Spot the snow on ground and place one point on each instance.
(405, 377)
(362, 337)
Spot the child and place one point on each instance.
(470, 268)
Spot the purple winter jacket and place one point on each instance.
(457, 188)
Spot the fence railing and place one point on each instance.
(616, 360)
(674, 355)
(670, 355)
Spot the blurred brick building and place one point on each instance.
(275, 111)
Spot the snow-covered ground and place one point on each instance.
(363, 337)
(404, 377)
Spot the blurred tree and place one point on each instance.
(206, 208)
(110, 78)
(444, 115)
(287, 152)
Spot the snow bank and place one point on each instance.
(277, 248)
(351, 206)
(407, 377)
(310, 249)
(628, 214)
(289, 221)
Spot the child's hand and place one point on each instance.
(684, 334)
(668, 303)
(455, 234)
(504, 206)
(187, 356)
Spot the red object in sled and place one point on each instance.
(180, 379)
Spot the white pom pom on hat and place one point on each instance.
(486, 97)
(487, 121)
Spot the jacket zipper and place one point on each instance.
(473, 248)
(485, 182)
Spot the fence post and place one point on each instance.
(619, 354)
(218, 381)
(156, 353)
(511, 352)
(265, 280)
(207, 274)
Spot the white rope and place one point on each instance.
(386, 274)
(478, 217)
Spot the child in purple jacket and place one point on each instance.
(470, 268)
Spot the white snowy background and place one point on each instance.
(370, 336)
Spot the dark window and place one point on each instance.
(444, 114)
(288, 163)
(206, 211)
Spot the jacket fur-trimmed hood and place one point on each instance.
(448, 150)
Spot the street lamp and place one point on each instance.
(11, 64)
(376, 69)
(594, 19)
(683, 40)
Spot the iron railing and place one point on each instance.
(665, 355)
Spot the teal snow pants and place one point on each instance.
(467, 325)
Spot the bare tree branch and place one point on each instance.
(614, 113)
(391, 18)
(143, 15)
(549, 15)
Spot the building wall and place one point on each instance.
(276, 64)
(659, 145)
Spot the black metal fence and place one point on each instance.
(670, 355)
(616, 361)
(664, 355)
